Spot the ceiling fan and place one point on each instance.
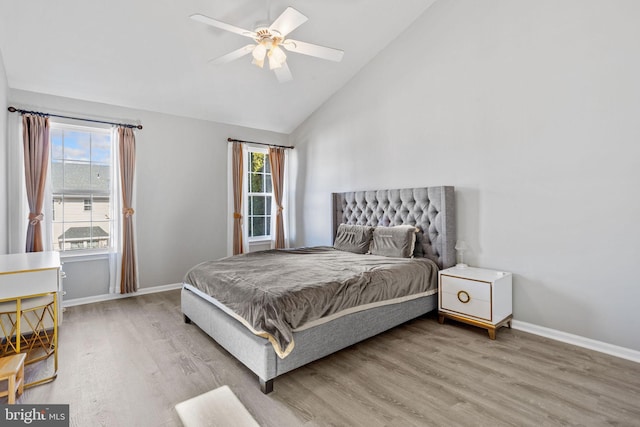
(269, 40)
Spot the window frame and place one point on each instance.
(83, 195)
(248, 194)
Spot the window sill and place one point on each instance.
(259, 240)
(84, 256)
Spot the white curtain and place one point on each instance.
(17, 192)
(229, 199)
(18, 207)
(115, 250)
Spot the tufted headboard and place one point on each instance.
(432, 209)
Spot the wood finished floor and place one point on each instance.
(128, 362)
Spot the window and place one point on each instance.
(80, 187)
(259, 194)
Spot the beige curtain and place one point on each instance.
(237, 171)
(35, 137)
(276, 159)
(127, 151)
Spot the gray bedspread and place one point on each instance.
(274, 292)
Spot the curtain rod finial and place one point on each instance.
(12, 109)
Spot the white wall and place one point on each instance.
(4, 89)
(532, 110)
(181, 173)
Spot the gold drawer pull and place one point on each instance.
(463, 297)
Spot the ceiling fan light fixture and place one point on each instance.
(259, 52)
(269, 43)
(277, 57)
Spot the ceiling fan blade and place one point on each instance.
(232, 56)
(313, 50)
(222, 25)
(288, 21)
(283, 73)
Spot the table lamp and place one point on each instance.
(461, 246)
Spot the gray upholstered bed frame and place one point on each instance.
(432, 209)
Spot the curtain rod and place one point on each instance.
(18, 110)
(260, 143)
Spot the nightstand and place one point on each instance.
(476, 296)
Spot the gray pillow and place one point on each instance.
(398, 241)
(353, 238)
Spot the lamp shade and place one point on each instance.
(276, 58)
(461, 247)
(259, 52)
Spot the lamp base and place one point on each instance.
(460, 265)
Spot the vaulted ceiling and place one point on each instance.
(148, 54)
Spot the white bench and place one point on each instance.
(216, 408)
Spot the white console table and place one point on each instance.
(30, 285)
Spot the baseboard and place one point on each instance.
(603, 347)
(110, 297)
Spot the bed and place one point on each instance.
(273, 352)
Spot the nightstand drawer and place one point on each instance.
(453, 285)
(473, 307)
(468, 297)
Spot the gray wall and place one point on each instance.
(181, 173)
(4, 89)
(531, 109)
